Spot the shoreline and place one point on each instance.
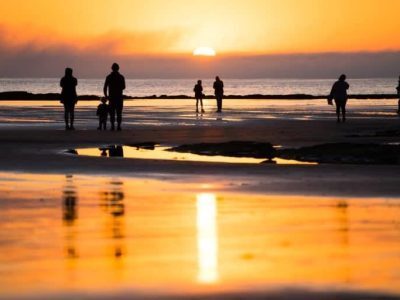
(23, 95)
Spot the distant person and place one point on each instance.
(69, 97)
(339, 94)
(102, 113)
(398, 95)
(113, 90)
(219, 92)
(198, 94)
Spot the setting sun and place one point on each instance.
(204, 51)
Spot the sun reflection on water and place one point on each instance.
(207, 242)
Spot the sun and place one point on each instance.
(204, 51)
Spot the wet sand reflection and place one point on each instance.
(127, 233)
(207, 241)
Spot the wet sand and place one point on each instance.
(298, 232)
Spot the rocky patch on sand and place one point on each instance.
(345, 153)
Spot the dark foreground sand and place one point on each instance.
(41, 150)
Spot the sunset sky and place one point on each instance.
(153, 32)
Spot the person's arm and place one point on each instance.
(105, 88)
(347, 86)
(62, 82)
(123, 83)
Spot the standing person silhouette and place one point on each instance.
(398, 95)
(219, 92)
(198, 94)
(69, 97)
(113, 89)
(339, 94)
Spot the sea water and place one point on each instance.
(150, 87)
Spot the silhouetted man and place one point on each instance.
(339, 94)
(113, 89)
(69, 97)
(219, 93)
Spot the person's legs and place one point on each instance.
(398, 110)
(201, 103)
(72, 116)
(197, 104)
(344, 111)
(112, 115)
(337, 103)
(119, 108)
(66, 117)
(219, 103)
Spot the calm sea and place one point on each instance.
(149, 87)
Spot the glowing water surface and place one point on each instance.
(161, 153)
(63, 234)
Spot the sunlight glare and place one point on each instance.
(207, 238)
(204, 51)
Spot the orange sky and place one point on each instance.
(229, 26)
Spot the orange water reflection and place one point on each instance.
(160, 153)
(93, 234)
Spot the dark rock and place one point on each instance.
(71, 151)
(345, 153)
(145, 145)
(233, 149)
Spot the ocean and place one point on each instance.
(171, 87)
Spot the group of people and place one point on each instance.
(113, 92)
(218, 91)
(114, 86)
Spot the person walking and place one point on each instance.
(219, 92)
(339, 94)
(69, 97)
(198, 94)
(113, 91)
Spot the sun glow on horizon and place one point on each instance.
(204, 51)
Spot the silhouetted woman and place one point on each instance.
(219, 93)
(398, 94)
(198, 94)
(339, 94)
(69, 97)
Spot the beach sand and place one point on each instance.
(278, 231)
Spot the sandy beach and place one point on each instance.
(136, 228)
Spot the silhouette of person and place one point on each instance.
(198, 94)
(339, 94)
(398, 94)
(69, 97)
(113, 90)
(219, 92)
(102, 113)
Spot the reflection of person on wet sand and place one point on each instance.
(69, 98)
(339, 94)
(198, 94)
(69, 205)
(113, 203)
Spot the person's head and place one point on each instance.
(115, 67)
(342, 77)
(199, 81)
(217, 78)
(68, 72)
(103, 100)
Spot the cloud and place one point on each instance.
(38, 57)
